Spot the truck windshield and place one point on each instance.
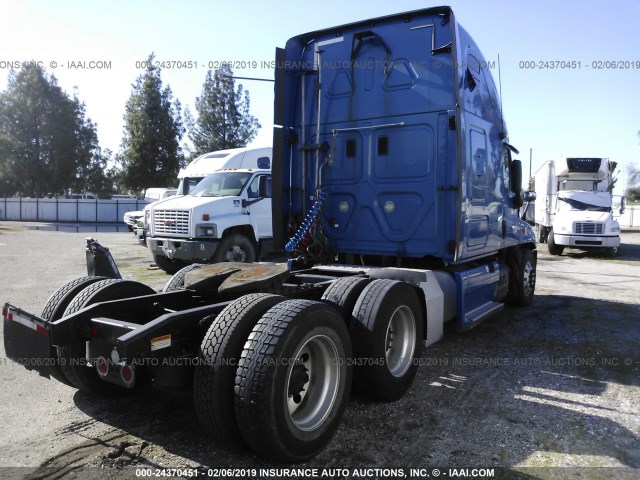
(221, 184)
(577, 205)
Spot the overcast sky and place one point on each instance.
(585, 111)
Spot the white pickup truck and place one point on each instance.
(151, 195)
(225, 217)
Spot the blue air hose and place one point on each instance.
(308, 222)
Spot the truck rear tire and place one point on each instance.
(293, 380)
(522, 278)
(54, 310)
(344, 293)
(215, 373)
(61, 298)
(168, 265)
(386, 332)
(554, 249)
(82, 376)
(235, 247)
(177, 281)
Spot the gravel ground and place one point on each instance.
(541, 392)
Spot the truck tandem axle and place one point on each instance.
(270, 351)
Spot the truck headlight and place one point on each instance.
(207, 231)
(614, 229)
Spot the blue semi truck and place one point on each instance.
(395, 198)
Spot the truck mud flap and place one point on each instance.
(26, 340)
(100, 263)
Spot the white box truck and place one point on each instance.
(222, 211)
(211, 162)
(574, 206)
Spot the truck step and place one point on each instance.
(480, 313)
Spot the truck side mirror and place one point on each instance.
(623, 204)
(516, 182)
(516, 176)
(264, 187)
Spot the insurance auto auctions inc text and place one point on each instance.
(374, 473)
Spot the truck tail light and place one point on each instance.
(102, 366)
(127, 375)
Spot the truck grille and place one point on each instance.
(588, 228)
(172, 222)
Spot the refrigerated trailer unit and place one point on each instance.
(574, 206)
(395, 197)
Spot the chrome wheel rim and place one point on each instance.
(235, 254)
(529, 279)
(400, 341)
(313, 381)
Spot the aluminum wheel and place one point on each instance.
(400, 341)
(235, 247)
(293, 380)
(313, 382)
(529, 278)
(235, 254)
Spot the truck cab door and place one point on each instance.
(258, 204)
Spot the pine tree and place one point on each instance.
(91, 175)
(45, 138)
(223, 119)
(151, 154)
(97, 177)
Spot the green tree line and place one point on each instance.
(48, 145)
